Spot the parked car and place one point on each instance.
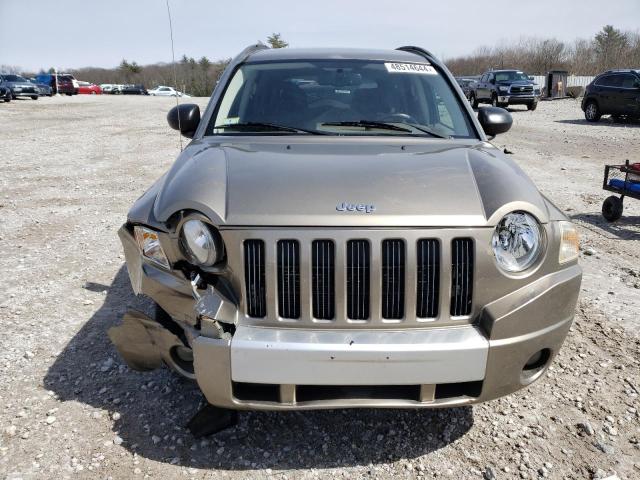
(615, 93)
(89, 88)
(502, 88)
(163, 91)
(5, 93)
(43, 89)
(19, 86)
(59, 83)
(466, 84)
(350, 240)
(134, 90)
(112, 89)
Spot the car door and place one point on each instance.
(627, 96)
(481, 87)
(604, 90)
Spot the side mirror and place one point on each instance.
(492, 81)
(185, 117)
(494, 120)
(531, 78)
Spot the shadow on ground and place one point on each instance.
(153, 408)
(608, 121)
(627, 228)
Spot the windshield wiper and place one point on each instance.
(387, 126)
(267, 126)
(428, 131)
(367, 124)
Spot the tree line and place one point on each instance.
(609, 48)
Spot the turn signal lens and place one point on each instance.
(149, 244)
(569, 242)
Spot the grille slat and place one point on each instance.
(358, 276)
(393, 271)
(323, 279)
(289, 278)
(254, 271)
(462, 264)
(428, 282)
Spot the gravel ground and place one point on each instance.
(69, 408)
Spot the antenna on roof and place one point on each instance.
(175, 75)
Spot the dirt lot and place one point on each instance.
(69, 170)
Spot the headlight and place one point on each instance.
(16, 89)
(504, 89)
(199, 243)
(569, 242)
(149, 244)
(517, 241)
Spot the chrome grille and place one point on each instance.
(462, 259)
(254, 274)
(393, 258)
(428, 281)
(358, 276)
(289, 278)
(323, 279)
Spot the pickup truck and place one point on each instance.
(502, 88)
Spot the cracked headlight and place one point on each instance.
(199, 243)
(149, 244)
(517, 241)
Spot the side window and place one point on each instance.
(629, 81)
(483, 79)
(608, 81)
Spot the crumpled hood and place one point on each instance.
(312, 181)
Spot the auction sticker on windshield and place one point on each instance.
(420, 68)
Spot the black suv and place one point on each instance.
(615, 93)
(502, 88)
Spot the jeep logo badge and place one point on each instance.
(355, 207)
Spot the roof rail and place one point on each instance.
(244, 54)
(418, 50)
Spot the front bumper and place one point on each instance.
(25, 93)
(518, 99)
(292, 368)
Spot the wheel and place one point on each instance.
(612, 208)
(34, 97)
(473, 100)
(494, 100)
(502, 105)
(93, 92)
(592, 112)
(69, 94)
(532, 106)
(7, 99)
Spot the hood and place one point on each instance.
(19, 84)
(343, 182)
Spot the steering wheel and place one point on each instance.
(400, 118)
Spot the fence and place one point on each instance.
(572, 80)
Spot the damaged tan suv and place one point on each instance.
(340, 233)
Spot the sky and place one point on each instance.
(98, 33)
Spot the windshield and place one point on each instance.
(510, 76)
(340, 97)
(14, 78)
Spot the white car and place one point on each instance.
(162, 91)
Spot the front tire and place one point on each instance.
(592, 112)
(612, 208)
(532, 106)
(34, 97)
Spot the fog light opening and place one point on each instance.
(182, 358)
(536, 364)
